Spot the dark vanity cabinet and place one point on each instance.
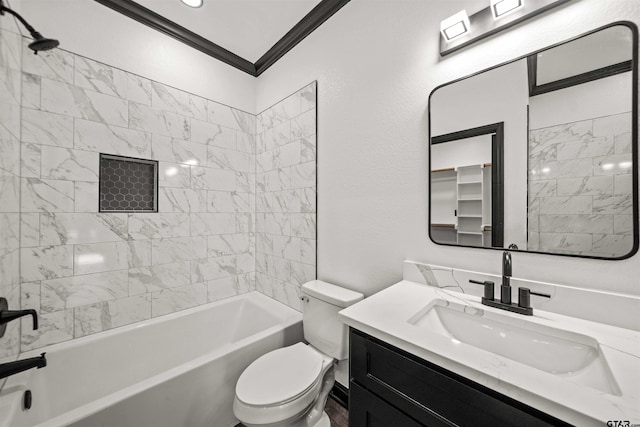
(390, 387)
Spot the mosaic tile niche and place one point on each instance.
(86, 271)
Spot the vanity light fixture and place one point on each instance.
(192, 3)
(500, 8)
(498, 16)
(455, 25)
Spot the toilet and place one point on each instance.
(288, 387)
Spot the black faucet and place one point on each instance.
(7, 315)
(11, 368)
(524, 294)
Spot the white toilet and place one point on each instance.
(289, 386)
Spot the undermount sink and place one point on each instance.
(574, 356)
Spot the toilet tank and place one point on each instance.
(320, 306)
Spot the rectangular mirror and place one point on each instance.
(541, 152)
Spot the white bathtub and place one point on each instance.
(175, 370)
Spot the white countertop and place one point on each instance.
(385, 316)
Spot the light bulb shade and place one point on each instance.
(502, 7)
(192, 3)
(455, 25)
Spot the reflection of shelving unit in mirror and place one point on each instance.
(470, 197)
(443, 211)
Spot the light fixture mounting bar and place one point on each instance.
(483, 24)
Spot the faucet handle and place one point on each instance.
(524, 297)
(488, 288)
(7, 315)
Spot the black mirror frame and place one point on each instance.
(634, 140)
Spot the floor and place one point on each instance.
(338, 414)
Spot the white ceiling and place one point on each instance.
(247, 28)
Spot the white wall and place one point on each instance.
(88, 28)
(376, 62)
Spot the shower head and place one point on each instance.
(39, 43)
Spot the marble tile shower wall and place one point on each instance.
(580, 187)
(286, 196)
(10, 95)
(86, 271)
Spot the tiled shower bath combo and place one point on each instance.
(235, 199)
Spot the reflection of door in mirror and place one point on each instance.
(467, 188)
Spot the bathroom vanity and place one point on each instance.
(423, 355)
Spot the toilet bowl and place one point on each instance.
(288, 387)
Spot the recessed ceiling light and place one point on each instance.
(192, 3)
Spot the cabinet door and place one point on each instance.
(367, 410)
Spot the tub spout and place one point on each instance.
(12, 368)
(318, 407)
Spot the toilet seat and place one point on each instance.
(280, 385)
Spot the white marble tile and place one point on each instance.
(46, 195)
(86, 196)
(11, 340)
(30, 296)
(139, 253)
(562, 133)
(99, 257)
(225, 201)
(99, 77)
(9, 152)
(576, 223)
(168, 250)
(183, 200)
(41, 127)
(174, 175)
(582, 149)
(613, 205)
(585, 186)
(612, 165)
(138, 89)
(246, 122)
(206, 224)
(623, 224)
(30, 160)
(244, 222)
(56, 64)
(623, 184)
(222, 288)
(623, 143)
(222, 115)
(174, 150)
(10, 119)
(227, 244)
(46, 262)
(175, 299)
(615, 244)
(303, 175)
(279, 135)
(275, 180)
(90, 319)
(245, 262)
(264, 161)
(213, 134)
(198, 107)
(9, 192)
(308, 96)
(69, 164)
(75, 291)
(303, 225)
(563, 169)
(302, 273)
(53, 328)
(158, 225)
(145, 118)
(156, 277)
(264, 243)
(222, 158)
(104, 138)
(308, 251)
(287, 155)
(29, 229)
(30, 91)
(164, 97)
(213, 179)
(308, 149)
(62, 98)
(9, 266)
(307, 197)
(265, 284)
(566, 204)
(10, 80)
(246, 142)
(75, 228)
(569, 242)
(304, 125)
(213, 268)
(10, 49)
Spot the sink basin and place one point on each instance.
(574, 356)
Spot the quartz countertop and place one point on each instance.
(386, 316)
